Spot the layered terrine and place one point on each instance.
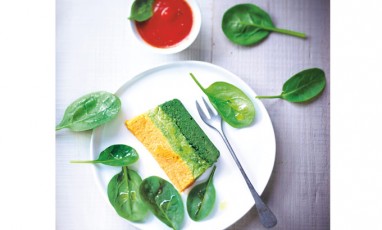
(176, 141)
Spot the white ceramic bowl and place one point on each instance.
(182, 45)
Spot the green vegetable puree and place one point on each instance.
(178, 141)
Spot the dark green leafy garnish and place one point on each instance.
(233, 105)
(141, 10)
(115, 155)
(303, 86)
(201, 199)
(90, 111)
(123, 194)
(248, 24)
(163, 200)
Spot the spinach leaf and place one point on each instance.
(123, 194)
(201, 199)
(247, 24)
(163, 200)
(233, 105)
(303, 86)
(115, 155)
(90, 111)
(141, 10)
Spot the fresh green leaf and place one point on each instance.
(90, 111)
(141, 10)
(201, 199)
(163, 200)
(247, 24)
(233, 105)
(303, 86)
(115, 155)
(123, 194)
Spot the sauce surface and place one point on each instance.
(171, 23)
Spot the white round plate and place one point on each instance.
(254, 146)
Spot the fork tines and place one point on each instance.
(201, 112)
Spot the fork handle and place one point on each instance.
(267, 218)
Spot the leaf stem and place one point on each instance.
(268, 97)
(278, 30)
(94, 161)
(59, 127)
(80, 162)
(197, 82)
(126, 177)
(212, 173)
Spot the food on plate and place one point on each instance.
(162, 23)
(201, 199)
(163, 200)
(232, 104)
(124, 196)
(176, 141)
(115, 155)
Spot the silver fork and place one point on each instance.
(267, 218)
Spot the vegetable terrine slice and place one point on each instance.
(176, 142)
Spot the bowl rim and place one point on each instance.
(183, 44)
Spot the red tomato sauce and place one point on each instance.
(171, 23)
